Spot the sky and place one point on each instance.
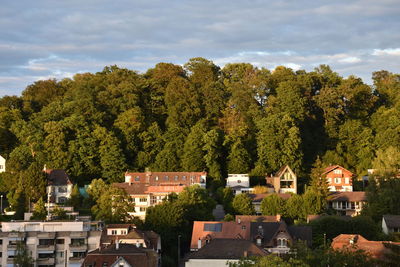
(45, 39)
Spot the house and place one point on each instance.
(391, 224)
(272, 237)
(347, 203)
(129, 234)
(59, 186)
(150, 188)
(219, 252)
(239, 183)
(2, 164)
(284, 181)
(256, 200)
(375, 249)
(339, 179)
(50, 243)
(121, 255)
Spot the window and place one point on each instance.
(337, 171)
(62, 199)
(338, 180)
(60, 254)
(137, 178)
(123, 232)
(113, 232)
(105, 264)
(166, 178)
(346, 180)
(156, 178)
(258, 241)
(239, 181)
(143, 199)
(1, 241)
(60, 241)
(62, 189)
(282, 242)
(184, 178)
(1, 167)
(142, 209)
(212, 227)
(243, 227)
(176, 178)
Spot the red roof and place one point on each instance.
(333, 167)
(358, 196)
(209, 229)
(159, 178)
(376, 249)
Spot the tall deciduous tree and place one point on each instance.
(243, 205)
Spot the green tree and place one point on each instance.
(193, 155)
(76, 197)
(113, 206)
(39, 211)
(22, 257)
(273, 205)
(59, 213)
(294, 207)
(213, 154)
(242, 204)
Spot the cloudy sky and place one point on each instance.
(44, 39)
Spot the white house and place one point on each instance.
(391, 224)
(2, 164)
(239, 183)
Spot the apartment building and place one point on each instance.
(151, 188)
(50, 243)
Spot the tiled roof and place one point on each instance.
(376, 249)
(333, 167)
(156, 178)
(165, 189)
(57, 177)
(130, 253)
(359, 196)
(227, 230)
(260, 197)
(227, 249)
(392, 221)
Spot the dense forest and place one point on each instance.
(195, 117)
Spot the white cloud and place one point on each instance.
(388, 51)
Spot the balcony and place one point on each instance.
(45, 261)
(78, 234)
(76, 259)
(78, 247)
(10, 260)
(47, 235)
(45, 247)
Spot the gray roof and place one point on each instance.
(227, 249)
(392, 221)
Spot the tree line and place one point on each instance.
(195, 117)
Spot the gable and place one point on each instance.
(121, 262)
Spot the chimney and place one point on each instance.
(245, 253)
(239, 221)
(278, 217)
(117, 245)
(199, 244)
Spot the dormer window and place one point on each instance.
(258, 241)
(282, 242)
(137, 178)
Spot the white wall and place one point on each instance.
(207, 262)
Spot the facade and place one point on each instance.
(339, 179)
(284, 181)
(219, 252)
(239, 183)
(376, 249)
(150, 188)
(121, 255)
(59, 186)
(129, 234)
(272, 237)
(2, 164)
(347, 203)
(391, 224)
(52, 243)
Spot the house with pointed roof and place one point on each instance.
(129, 234)
(59, 186)
(338, 178)
(391, 224)
(284, 181)
(117, 255)
(272, 237)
